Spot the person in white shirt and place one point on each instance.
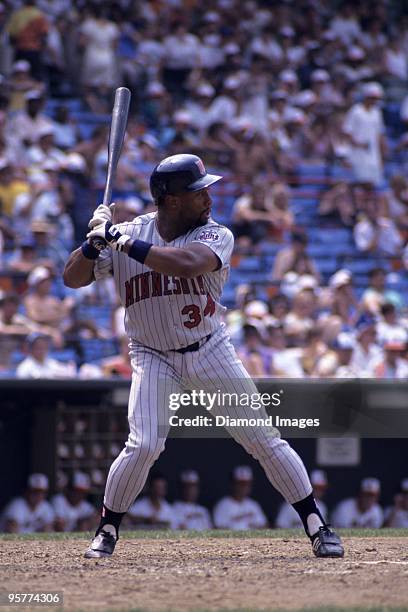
(287, 516)
(364, 128)
(31, 512)
(362, 511)
(153, 511)
(397, 515)
(394, 364)
(189, 514)
(389, 323)
(345, 24)
(26, 125)
(38, 364)
(238, 511)
(72, 511)
(366, 353)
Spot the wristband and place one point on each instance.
(89, 251)
(139, 250)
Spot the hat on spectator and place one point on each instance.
(306, 281)
(21, 66)
(340, 278)
(318, 478)
(81, 481)
(33, 94)
(232, 82)
(370, 485)
(288, 76)
(134, 204)
(404, 485)
(242, 473)
(231, 49)
(320, 76)
(189, 477)
(41, 227)
(395, 340)
(150, 141)
(287, 31)
(74, 162)
(373, 90)
(345, 341)
(305, 98)
(38, 482)
(294, 115)
(257, 309)
(45, 130)
(206, 90)
(155, 88)
(355, 53)
(279, 94)
(182, 116)
(39, 274)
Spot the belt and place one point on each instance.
(191, 348)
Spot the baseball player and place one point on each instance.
(169, 268)
(190, 514)
(31, 512)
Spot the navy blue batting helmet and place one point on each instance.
(180, 174)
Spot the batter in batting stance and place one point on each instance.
(170, 267)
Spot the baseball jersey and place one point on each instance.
(167, 312)
(230, 513)
(29, 520)
(71, 514)
(288, 517)
(399, 517)
(145, 509)
(347, 514)
(191, 516)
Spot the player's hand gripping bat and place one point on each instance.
(116, 135)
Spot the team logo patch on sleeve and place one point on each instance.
(208, 236)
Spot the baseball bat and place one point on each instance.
(117, 131)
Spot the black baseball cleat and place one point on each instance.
(102, 545)
(326, 543)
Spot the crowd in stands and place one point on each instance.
(69, 509)
(304, 109)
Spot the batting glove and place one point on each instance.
(106, 233)
(101, 214)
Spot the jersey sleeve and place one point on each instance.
(103, 267)
(218, 238)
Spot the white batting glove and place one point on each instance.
(107, 234)
(101, 214)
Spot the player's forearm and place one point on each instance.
(173, 261)
(78, 271)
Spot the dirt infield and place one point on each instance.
(210, 573)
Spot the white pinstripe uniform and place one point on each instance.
(164, 314)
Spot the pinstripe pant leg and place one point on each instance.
(153, 379)
(218, 367)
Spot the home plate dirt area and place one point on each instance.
(160, 571)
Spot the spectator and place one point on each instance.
(287, 258)
(11, 186)
(189, 514)
(362, 511)
(376, 293)
(365, 130)
(375, 232)
(72, 511)
(26, 125)
(285, 362)
(38, 363)
(251, 351)
(339, 199)
(389, 322)
(366, 354)
(44, 149)
(344, 308)
(31, 512)
(181, 53)
(11, 321)
(41, 306)
(398, 201)
(118, 365)
(28, 27)
(153, 511)
(287, 516)
(20, 83)
(100, 71)
(394, 363)
(301, 318)
(397, 515)
(238, 511)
